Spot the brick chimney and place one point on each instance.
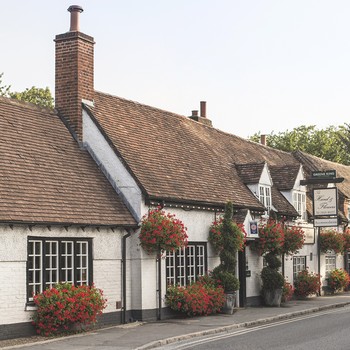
(203, 115)
(74, 74)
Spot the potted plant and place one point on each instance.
(227, 238)
(272, 281)
(270, 245)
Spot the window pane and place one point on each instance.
(185, 265)
(57, 264)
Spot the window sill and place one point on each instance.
(31, 307)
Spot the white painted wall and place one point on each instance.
(265, 178)
(112, 166)
(13, 258)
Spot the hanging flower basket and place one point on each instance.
(294, 238)
(331, 240)
(271, 238)
(161, 232)
(346, 239)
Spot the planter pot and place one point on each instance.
(273, 297)
(230, 303)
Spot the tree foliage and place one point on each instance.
(4, 89)
(39, 96)
(332, 143)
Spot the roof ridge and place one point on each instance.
(191, 121)
(27, 104)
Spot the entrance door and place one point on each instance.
(242, 278)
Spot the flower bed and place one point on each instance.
(287, 292)
(203, 297)
(65, 305)
(338, 280)
(307, 283)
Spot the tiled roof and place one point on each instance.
(250, 173)
(284, 177)
(240, 215)
(177, 159)
(281, 204)
(46, 178)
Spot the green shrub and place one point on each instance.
(271, 279)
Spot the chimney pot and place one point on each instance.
(74, 10)
(203, 109)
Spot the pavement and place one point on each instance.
(150, 335)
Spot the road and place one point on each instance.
(327, 330)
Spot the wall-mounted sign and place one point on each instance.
(325, 201)
(326, 222)
(309, 234)
(253, 229)
(324, 174)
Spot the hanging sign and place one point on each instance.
(324, 174)
(325, 201)
(326, 222)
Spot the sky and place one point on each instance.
(262, 66)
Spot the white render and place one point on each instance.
(112, 166)
(107, 255)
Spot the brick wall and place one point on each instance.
(74, 76)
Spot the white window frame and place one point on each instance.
(265, 196)
(53, 260)
(299, 203)
(299, 264)
(330, 263)
(184, 265)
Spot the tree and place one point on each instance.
(39, 96)
(4, 89)
(332, 143)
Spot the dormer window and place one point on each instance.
(265, 196)
(299, 203)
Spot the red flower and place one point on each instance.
(162, 232)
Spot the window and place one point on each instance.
(299, 203)
(52, 260)
(265, 196)
(330, 263)
(299, 264)
(185, 265)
